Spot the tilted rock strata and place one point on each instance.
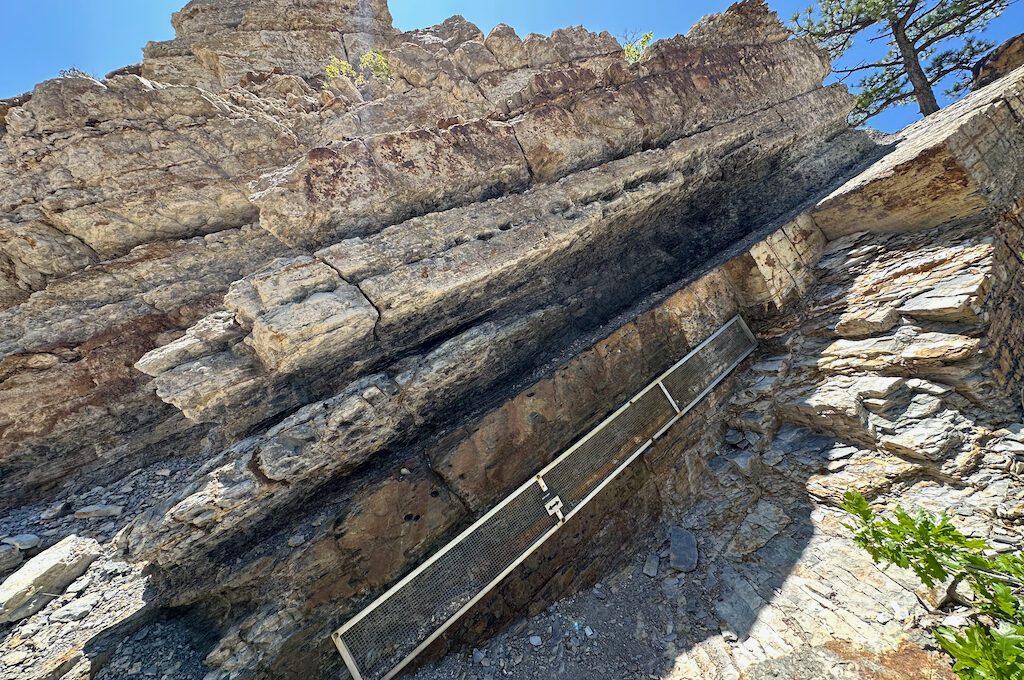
(954, 165)
(71, 399)
(194, 148)
(427, 277)
(93, 169)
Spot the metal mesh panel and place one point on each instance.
(379, 641)
(707, 365)
(388, 633)
(594, 459)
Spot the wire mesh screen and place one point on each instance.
(385, 636)
(591, 461)
(706, 366)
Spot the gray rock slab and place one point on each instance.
(682, 549)
(45, 576)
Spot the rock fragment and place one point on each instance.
(97, 511)
(651, 565)
(682, 549)
(77, 609)
(23, 541)
(45, 576)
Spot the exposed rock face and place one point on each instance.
(301, 333)
(220, 41)
(1004, 59)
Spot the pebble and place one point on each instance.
(478, 657)
(536, 641)
(651, 565)
(23, 541)
(76, 609)
(589, 632)
(163, 473)
(56, 510)
(91, 511)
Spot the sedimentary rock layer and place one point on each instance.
(105, 167)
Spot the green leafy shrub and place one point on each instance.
(376, 64)
(373, 64)
(992, 646)
(634, 48)
(339, 68)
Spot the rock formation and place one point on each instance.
(272, 337)
(1006, 58)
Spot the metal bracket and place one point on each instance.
(554, 508)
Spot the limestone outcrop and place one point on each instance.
(270, 337)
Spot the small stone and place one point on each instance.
(536, 641)
(13, 659)
(100, 510)
(682, 549)
(79, 585)
(744, 463)
(296, 541)
(23, 541)
(163, 473)
(405, 471)
(56, 510)
(478, 657)
(77, 609)
(651, 565)
(956, 621)
(589, 632)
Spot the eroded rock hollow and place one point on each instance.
(268, 339)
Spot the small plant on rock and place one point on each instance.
(373, 64)
(73, 72)
(992, 646)
(634, 47)
(376, 64)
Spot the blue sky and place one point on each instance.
(38, 38)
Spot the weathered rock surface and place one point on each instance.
(45, 577)
(1004, 59)
(284, 338)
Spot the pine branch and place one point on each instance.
(864, 67)
(962, 24)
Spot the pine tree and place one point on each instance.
(927, 40)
